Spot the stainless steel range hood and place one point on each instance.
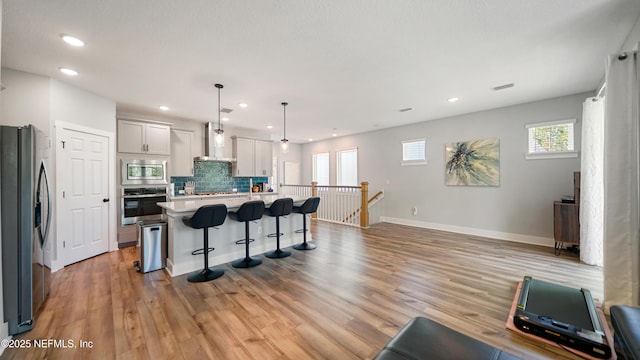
(209, 147)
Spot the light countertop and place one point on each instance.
(232, 202)
(216, 196)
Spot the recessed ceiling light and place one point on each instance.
(269, 126)
(72, 40)
(68, 71)
(225, 119)
(452, 99)
(243, 105)
(334, 134)
(164, 108)
(310, 139)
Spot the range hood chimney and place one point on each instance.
(210, 148)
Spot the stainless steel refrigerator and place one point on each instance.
(25, 210)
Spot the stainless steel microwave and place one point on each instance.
(143, 172)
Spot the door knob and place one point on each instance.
(105, 200)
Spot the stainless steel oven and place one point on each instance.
(143, 172)
(141, 204)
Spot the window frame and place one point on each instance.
(408, 162)
(313, 167)
(554, 154)
(339, 166)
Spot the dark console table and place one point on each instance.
(566, 219)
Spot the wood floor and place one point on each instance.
(343, 300)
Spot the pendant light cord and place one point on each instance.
(284, 132)
(219, 86)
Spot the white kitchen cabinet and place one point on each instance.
(143, 138)
(182, 153)
(262, 155)
(253, 157)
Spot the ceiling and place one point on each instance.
(344, 66)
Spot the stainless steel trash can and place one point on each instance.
(152, 245)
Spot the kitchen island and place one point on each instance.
(182, 240)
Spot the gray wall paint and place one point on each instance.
(521, 208)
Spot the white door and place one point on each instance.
(84, 181)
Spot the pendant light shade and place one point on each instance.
(219, 138)
(284, 143)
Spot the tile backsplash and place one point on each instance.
(215, 176)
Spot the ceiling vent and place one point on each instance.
(406, 109)
(502, 87)
(226, 110)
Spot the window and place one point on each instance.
(321, 168)
(414, 152)
(551, 140)
(347, 167)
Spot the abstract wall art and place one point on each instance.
(473, 163)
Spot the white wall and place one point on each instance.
(26, 100)
(74, 105)
(42, 101)
(520, 209)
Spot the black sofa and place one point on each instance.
(423, 339)
(626, 331)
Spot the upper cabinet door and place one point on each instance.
(131, 136)
(243, 150)
(158, 139)
(263, 160)
(143, 138)
(181, 153)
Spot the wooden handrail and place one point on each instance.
(325, 186)
(362, 210)
(356, 211)
(375, 196)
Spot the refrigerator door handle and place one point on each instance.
(44, 175)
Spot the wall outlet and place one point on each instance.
(414, 210)
(259, 230)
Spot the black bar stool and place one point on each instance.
(309, 206)
(280, 207)
(249, 211)
(205, 217)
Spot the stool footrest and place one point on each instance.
(201, 251)
(300, 231)
(275, 235)
(244, 241)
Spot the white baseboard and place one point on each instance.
(527, 239)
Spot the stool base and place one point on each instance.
(278, 254)
(246, 262)
(304, 246)
(205, 275)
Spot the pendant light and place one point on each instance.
(219, 138)
(284, 143)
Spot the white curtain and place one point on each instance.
(621, 195)
(592, 182)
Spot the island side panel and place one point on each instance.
(182, 240)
